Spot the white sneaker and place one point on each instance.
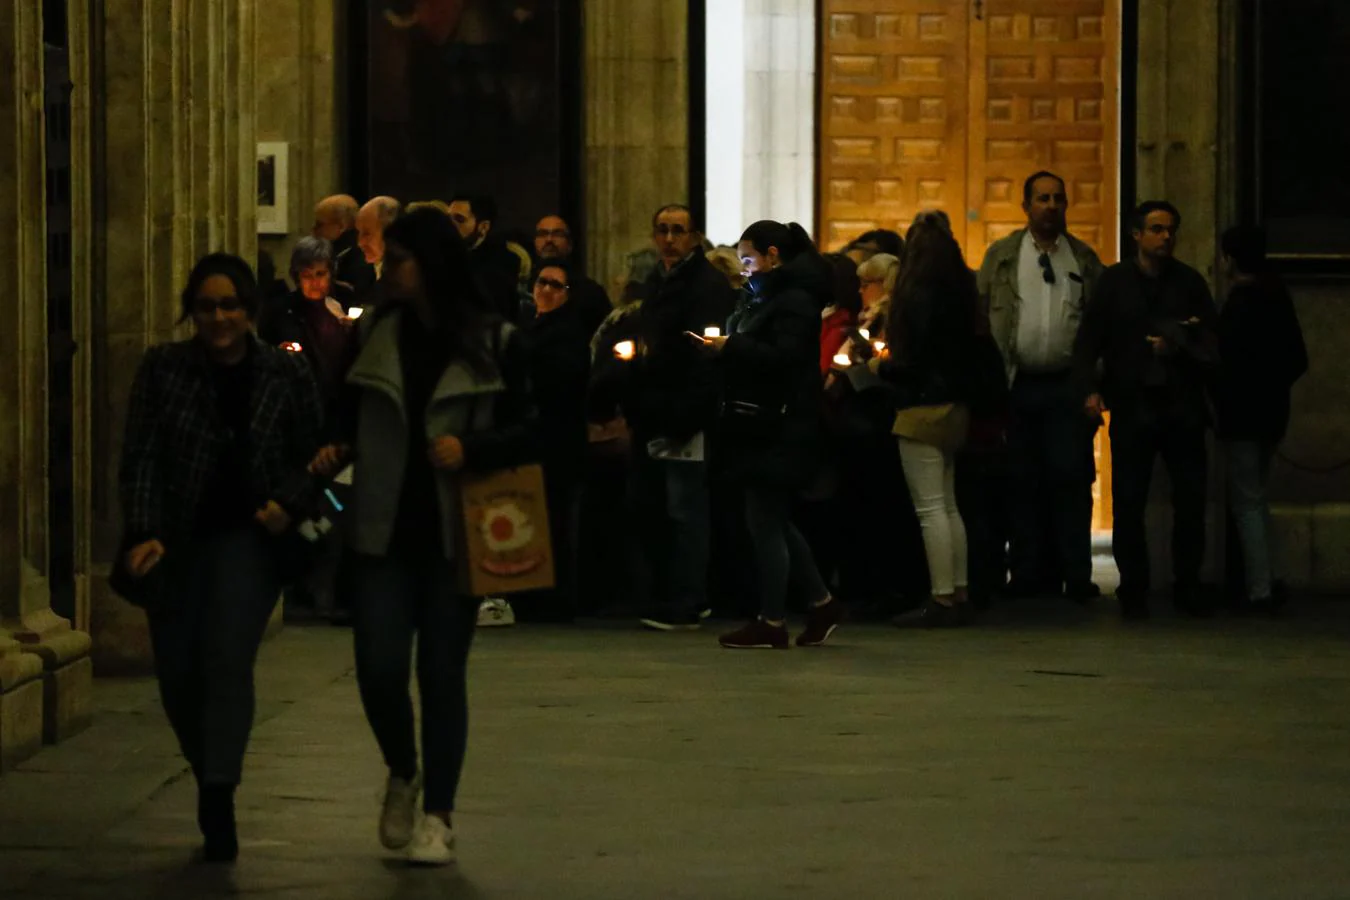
(400, 812)
(494, 612)
(433, 843)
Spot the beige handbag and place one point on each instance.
(943, 425)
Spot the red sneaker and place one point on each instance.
(757, 635)
(821, 621)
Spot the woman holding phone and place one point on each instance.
(440, 387)
(768, 435)
(219, 430)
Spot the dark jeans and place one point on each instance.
(205, 648)
(1050, 455)
(611, 573)
(395, 599)
(982, 495)
(783, 561)
(671, 502)
(1139, 434)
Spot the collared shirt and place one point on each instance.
(1047, 321)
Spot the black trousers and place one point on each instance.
(1140, 433)
(395, 600)
(1050, 455)
(206, 644)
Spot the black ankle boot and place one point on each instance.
(215, 817)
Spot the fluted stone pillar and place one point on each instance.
(44, 663)
(636, 86)
(172, 127)
(298, 103)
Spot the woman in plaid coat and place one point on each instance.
(219, 431)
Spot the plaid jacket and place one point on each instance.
(174, 438)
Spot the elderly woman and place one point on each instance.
(876, 282)
(219, 430)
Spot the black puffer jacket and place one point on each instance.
(670, 389)
(769, 432)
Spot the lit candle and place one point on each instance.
(863, 333)
(879, 346)
(712, 331)
(624, 350)
(841, 359)
(355, 312)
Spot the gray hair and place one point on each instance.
(310, 251)
(882, 267)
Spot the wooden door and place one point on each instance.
(953, 103)
(1043, 96)
(893, 118)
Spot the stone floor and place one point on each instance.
(1054, 753)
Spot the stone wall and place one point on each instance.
(636, 88)
(300, 102)
(44, 662)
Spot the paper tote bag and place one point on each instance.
(505, 541)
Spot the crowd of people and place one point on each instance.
(753, 430)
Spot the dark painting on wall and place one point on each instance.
(469, 96)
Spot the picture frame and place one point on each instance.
(273, 188)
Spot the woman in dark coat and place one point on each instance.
(219, 431)
(440, 387)
(769, 435)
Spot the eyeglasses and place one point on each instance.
(1047, 270)
(551, 283)
(675, 231)
(546, 233)
(207, 308)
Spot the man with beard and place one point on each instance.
(495, 266)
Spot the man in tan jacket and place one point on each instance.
(1035, 283)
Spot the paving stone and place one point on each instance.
(1050, 753)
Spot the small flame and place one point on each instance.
(624, 350)
(842, 359)
(712, 331)
(355, 312)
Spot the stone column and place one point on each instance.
(1177, 159)
(172, 130)
(44, 663)
(298, 96)
(636, 87)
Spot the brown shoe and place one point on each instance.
(821, 621)
(757, 635)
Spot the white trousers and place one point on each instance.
(931, 476)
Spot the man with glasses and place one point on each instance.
(1035, 284)
(588, 301)
(652, 368)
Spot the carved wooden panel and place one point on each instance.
(1043, 96)
(952, 104)
(893, 110)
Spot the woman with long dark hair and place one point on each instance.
(219, 430)
(930, 331)
(769, 429)
(440, 387)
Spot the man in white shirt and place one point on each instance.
(1035, 284)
